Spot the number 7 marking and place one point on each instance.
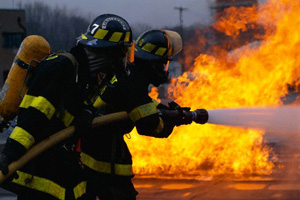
(94, 29)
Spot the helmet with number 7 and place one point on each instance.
(107, 30)
(107, 43)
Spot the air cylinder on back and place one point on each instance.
(32, 50)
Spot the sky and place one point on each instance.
(157, 13)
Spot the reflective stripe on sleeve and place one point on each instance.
(27, 101)
(105, 167)
(160, 126)
(40, 184)
(142, 111)
(67, 118)
(43, 105)
(156, 103)
(23, 137)
(79, 189)
(40, 103)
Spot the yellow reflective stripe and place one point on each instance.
(114, 79)
(148, 47)
(116, 36)
(105, 167)
(159, 127)
(100, 34)
(67, 118)
(23, 137)
(99, 103)
(156, 103)
(40, 103)
(102, 90)
(160, 51)
(43, 105)
(27, 100)
(142, 111)
(127, 37)
(83, 37)
(52, 57)
(80, 189)
(40, 184)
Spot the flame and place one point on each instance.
(236, 20)
(154, 94)
(254, 75)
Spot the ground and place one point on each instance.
(282, 184)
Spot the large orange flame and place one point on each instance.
(254, 75)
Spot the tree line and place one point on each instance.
(61, 28)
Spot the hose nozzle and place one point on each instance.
(200, 116)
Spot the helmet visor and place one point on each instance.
(176, 42)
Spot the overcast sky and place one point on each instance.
(158, 13)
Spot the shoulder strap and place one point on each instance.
(71, 57)
(73, 60)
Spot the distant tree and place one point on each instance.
(61, 28)
(56, 25)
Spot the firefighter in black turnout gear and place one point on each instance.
(105, 155)
(55, 99)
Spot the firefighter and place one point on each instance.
(55, 99)
(106, 157)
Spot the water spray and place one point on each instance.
(271, 119)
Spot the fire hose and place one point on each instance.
(57, 138)
(198, 116)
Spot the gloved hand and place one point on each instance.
(83, 123)
(4, 162)
(183, 115)
(12, 151)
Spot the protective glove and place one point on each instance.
(4, 162)
(83, 124)
(12, 151)
(182, 115)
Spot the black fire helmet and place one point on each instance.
(107, 30)
(158, 45)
